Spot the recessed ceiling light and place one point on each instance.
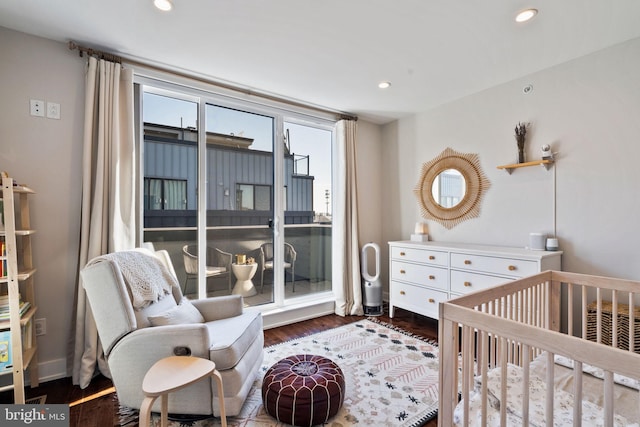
(164, 5)
(384, 85)
(526, 14)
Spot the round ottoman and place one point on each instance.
(303, 390)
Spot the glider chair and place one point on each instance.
(142, 317)
(266, 262)
(218, 264)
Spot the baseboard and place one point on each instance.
(52, 370)
(275, 318)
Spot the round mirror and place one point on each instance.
(451, 187)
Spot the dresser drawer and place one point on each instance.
(424, 275)
(417, 299)
(424, 256)
(463, 282)
(505, 266)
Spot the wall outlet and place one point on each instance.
(37, 107)
(41, 326)
(53, 110)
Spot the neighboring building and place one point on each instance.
(240, 181)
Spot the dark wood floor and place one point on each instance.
(96, 405)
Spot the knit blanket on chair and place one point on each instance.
(146, 277)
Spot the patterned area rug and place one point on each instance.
(391, 377)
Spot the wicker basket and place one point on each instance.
(607, 325)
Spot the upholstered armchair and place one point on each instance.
(141, 317)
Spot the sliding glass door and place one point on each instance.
(238, 193)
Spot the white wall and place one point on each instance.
(589, 110)
(46, 155)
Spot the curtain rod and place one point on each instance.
(115, 58)
(93, 52)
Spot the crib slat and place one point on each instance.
(467, 371)
(549, 395)
(525, 386)
(608, 399)
(570, 308)
(584, 305)
(614, 319)
(503, 381)
(448, 367)
(632, 323)
(577, 392)
(598, 316)
(485, 370)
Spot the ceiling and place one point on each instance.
(333, 53)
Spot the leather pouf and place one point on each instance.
(303, 390)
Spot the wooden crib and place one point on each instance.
(518, 352)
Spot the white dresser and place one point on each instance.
(422, 274)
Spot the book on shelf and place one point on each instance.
(5, 351)
(4, 309)
(3, 255)
(27, 335)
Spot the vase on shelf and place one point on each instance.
(521, 153)
(520, 132)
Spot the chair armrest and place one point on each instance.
(219, 307)
(261, 258)
(156, 342)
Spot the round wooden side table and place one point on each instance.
(171, 374)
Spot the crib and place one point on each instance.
(552, 349)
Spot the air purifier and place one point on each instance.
(371, 285)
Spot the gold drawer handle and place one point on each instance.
(431, 300)
(432, 277)
(467, 284)
(402, 293)
(512, 268)
(402, 254)
(432, 257)
(467, 261)
(402, 272)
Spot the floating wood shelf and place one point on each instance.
(509, 168)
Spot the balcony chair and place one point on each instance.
(142, 317)
(218, 264)
(266, 262)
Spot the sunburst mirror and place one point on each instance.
(451, 187)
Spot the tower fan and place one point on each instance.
(371, 285)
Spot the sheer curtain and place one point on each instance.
(108, 193)
(346, 257)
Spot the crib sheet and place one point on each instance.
(627, 400)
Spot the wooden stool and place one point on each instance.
(171, 374)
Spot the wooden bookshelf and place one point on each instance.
(16, 285)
